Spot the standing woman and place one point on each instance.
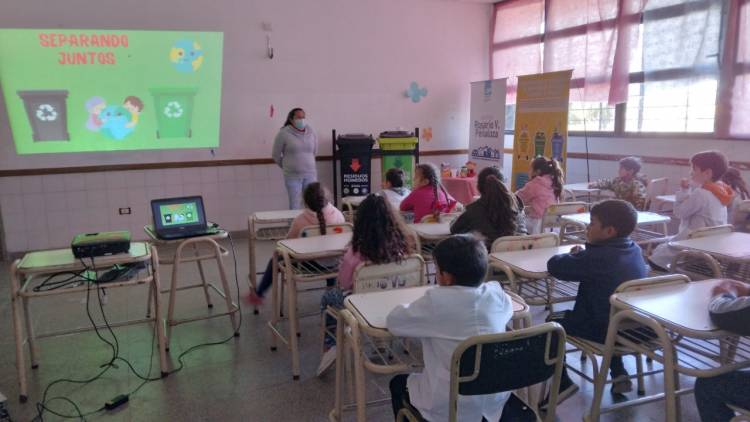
(294, 151)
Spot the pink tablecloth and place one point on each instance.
(464, 189)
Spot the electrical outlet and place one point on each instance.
(125, 211)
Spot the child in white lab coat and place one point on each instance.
(460, 307)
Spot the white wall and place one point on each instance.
(346, 61)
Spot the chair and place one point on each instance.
(743, 415)
(533, 290)
(496, 363)
(369, 277)
(349, 206)
(590, 349)
(314, 230)
(741, 216)
(656, 187)
(297, 273)
(553, 213)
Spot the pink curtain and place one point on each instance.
(516, 44)
(734, 97)
(595, 38)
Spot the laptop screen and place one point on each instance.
(178, 214)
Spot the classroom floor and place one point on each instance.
(241, 380)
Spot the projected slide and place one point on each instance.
(106, 90)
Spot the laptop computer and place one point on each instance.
(177, 218)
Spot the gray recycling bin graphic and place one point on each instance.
(47, 113)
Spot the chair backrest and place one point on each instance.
(568, 196)
(520, 243)
(310, 231)
(495, 363)
(649, 282)
(657, 187)
(710, 231)
(553, 213)
(370, 277)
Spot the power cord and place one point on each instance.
(43, 405)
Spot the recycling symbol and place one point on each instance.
(173, 110)
(46, 113)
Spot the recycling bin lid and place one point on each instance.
(396, 134)
(358, 141)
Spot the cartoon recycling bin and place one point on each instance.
(174, 111)
(48, 114)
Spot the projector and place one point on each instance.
(89, 245)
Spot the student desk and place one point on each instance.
(30, 271)
(462, 189)
(664, 203)
(349, 205)
(299, 264)
(641, 236)
(731, 250)
(578, 190)
(683, 338)
(536, 286)
(202, 248)
(266, 225)
(429, 234)
(366, 314)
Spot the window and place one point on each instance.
(671, 79)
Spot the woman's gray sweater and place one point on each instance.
(294, 151)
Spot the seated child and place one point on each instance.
(628, 185)
(730, 310)
(733, 178)
(393, 187)
(609, 259)
(495, 213)
(543, 190)
(318, 210)
(460, 307)
(701, 202)
(379, 237)
(429, 197)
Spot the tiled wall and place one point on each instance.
(40, 212)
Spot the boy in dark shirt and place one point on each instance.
(609, 259)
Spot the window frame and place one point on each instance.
(725, 77)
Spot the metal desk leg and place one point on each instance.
(293, 323)
(33, 351)
(173, 294)
(340, 350)
(18, 332)
(252, 274)
(231, 307)
(203, 275)
(158, 320)
(275, 315)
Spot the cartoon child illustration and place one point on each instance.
(94, 106)
(134, 105)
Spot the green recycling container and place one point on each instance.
(174, 111)
(403, 142)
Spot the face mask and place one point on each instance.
(299, 123)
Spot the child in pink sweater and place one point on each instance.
(543, 190)
(318, 210)
(379, 237)
(429, 197)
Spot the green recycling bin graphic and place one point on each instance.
(174, 111)
(48, 114)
